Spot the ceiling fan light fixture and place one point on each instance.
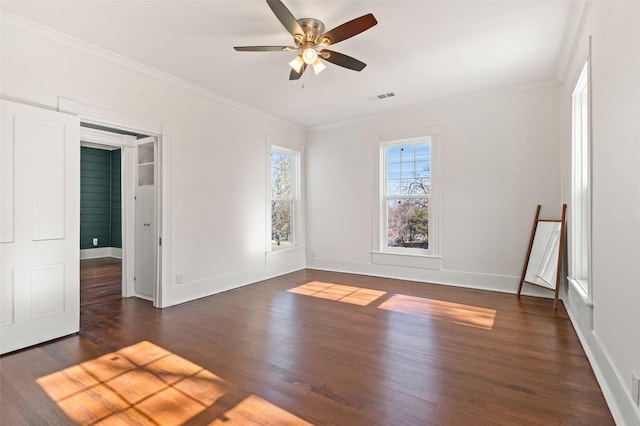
(309, 54)
(318, 66)
(310, 39)
(297, 63)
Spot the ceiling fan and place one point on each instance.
(311, 40)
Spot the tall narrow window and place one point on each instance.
(580, 183)
(284, 170)
(406, 198)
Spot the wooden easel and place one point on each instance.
(542, 244)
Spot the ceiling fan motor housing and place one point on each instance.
(312, 28)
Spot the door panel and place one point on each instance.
(7, 181)
(146, 220)
(49, 181)
(39, 242)
(145, 242)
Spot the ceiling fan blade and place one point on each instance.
(294, 75)
(285, 17)
(342, 60)
(264, 48)
(348, 30)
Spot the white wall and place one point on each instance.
(217, 163)
(610, 329)
(500, 158)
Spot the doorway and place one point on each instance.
(100, 223)
(119, 245)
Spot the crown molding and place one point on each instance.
(8, 19)
(574, 29)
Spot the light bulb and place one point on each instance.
(309, 55)
(297, 64)
(318, 66)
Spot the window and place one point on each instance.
(407, 187)
(580, 183)
(407, 213)
(284, 187)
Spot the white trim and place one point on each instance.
(572, 37)
(96, 253)
(279, 263)
(614, 387)
(108, 118)
(80, 45)
(454, 278)
(579, 288)
(297, 153)
(102, 139)
(379, 226)
(98, 146)
(103, 117)
(580, 230)
(408, 260)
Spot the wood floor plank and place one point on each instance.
(290, 355)
(100, 280)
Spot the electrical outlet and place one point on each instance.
(635, 389)
(95, 242)
(179, 278)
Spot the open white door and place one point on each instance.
(39, 226)
(146, 219)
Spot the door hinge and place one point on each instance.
(160, 241)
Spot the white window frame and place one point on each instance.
(399, 256)
(297, 229)
(580, 223)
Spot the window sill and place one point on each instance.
(406, 260)
(284, 249)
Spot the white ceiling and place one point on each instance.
(420, 50)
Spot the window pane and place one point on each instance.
(394, 187)
(408, 223)
(281, 223)
(393, 154)
(423, 152)
(417, 186)
(393, 171)
(422, 168)
(407, 152)
(281, 178)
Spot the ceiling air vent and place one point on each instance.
(383, 96)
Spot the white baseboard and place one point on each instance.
(95, 253)
(618, 397)
(276, 263)
(491, 282)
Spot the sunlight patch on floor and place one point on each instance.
(440, 310)
(144, 384)
(254, 410)
(341, 293)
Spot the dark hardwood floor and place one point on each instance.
(315, 347)
(100, 280)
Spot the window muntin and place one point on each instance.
(407, 195)
(283, 197)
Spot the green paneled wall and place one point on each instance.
(116, 200)
(100, 201)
